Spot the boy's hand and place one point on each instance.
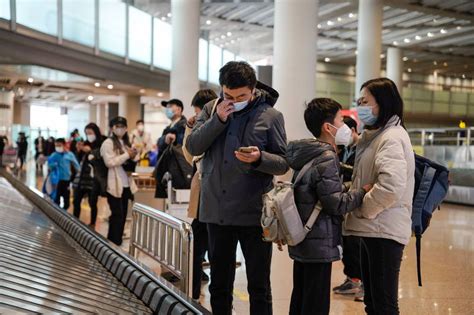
(368, 188)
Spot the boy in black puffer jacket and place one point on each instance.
(314, 256)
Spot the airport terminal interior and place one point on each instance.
(67, 63)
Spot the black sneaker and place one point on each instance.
(204, 277)
(349, 287)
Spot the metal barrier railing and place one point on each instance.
(166, 239)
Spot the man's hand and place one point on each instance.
(170, 138)
(192, 121)
(224, 109)
(252, 157)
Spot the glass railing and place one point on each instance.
(105, 24)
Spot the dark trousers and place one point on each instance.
(22, 158)
(380, 260)
(201, 245)
(311, 288)
(258, 255)
(119, 208)
(351, 256)
(63, 191)
(93, 197)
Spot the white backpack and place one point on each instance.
(281, 221)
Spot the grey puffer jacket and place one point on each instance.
(321, 183)
(231, 191)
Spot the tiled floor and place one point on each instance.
(447, 262)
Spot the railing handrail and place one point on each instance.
(161, 216)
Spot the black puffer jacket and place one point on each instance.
(322, 182)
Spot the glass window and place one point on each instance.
(39, 15)
(5, 9)
(78, 21)
(139, 35)
(203, 59)
(227, 56)
(215, 63)
(238, 58)
(112, 26)
(162, 45)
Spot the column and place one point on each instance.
(21, 113)
(369, 41)
(93, 113)
(130, 108)
(294, 61)
(6, 113)
(102, 120)
(185, 22)
(395, 66)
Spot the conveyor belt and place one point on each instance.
(50, 263)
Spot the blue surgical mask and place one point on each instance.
(366, 116)
(240, 105)
(169, 113)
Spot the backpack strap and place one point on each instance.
(419, 200)
(418, 257)
(213, 110)
(303, 171)
(313, 217)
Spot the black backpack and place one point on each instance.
(431, 187)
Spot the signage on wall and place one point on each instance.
(4, 106)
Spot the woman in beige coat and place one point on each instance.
(384, 157)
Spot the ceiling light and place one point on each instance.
(463, 76)
(430, 34)
(445, 64)
(208, 22)
(355, 52)
(435, 63)
(417, 37)
(435, 20)
(169, 14)
(232, 41)
(229, 34)
(351, 15)
(458, 28)
(405, 58)
(221, 45)
(327, 59)
(395, 43)
(443, 31)
(90, 98)
(409, 69)
(319, 26)
(382, 56)
(330, 23)
(344, 45)
(239, 39)
(216, 39)
(160, 94)
(31, 80)
(110, 86)
(142, 91)
(339, 19)
(163, 18)
(97, 84)
(406, 40)
(222, 36)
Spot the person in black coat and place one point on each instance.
(86, 183)
(22, 145)
(174, 133)
(3, 144)
(322, 183)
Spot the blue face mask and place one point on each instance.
(366, 116)
(240, 105)
(169, 113)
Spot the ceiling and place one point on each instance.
(434, 34)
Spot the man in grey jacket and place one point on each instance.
(244, 142)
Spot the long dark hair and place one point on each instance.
(118, 145)
(388, 98)
(98, 135)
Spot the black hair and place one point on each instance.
(319, 111)
(388, 98)
(202, 97)
(98, 135)
(350, 122)
(140, 121)
(237, 74)
(60, 140)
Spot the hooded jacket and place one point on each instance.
(321, 183)
(231, 191)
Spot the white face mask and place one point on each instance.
(343, 135)
(140, 128)
(60, 149)
(240, 105)
(119, 132)
(91, 138)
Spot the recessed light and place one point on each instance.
(232, 41)
(110, 86)
(222, 36)
(159, 94)
(417, 37)
(351, 15)
(430, 34)
(406, 40)
(169, 14)
(229, 34)
(90, 98)
(463, 76)
(382, 56)
(327, 59)
(31, 80)
(409, 69)
(221, 45)
(395, 43)
(443, 31)
(163, 18)
(330, 23)
(97, 84)
(355, 52)
(319, 26)
(208, 22)
(142, 91)
(435, 63)
(339, 19)
(405, 58)
(458, 28)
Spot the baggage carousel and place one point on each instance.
(51, 263)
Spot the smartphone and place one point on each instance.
(246, 149)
